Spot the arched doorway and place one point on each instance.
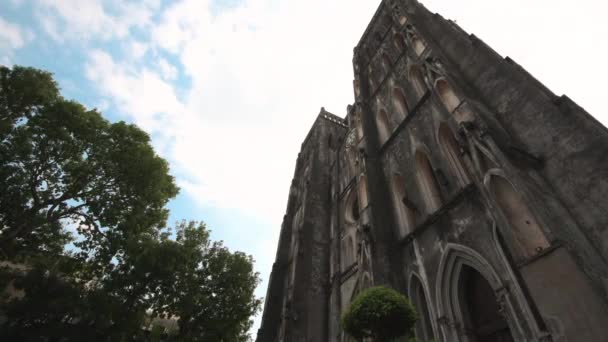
(482, 317)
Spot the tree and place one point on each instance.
(380, 313)
(61, 163)
(207, 288)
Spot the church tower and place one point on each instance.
(457, 179)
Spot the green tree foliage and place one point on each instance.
(201, 283)
(380, 313)
(61, 164)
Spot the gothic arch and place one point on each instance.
(418, 295)
(358, 124)
(417, 44)
(356, 88)
(528, 235)
(447, 95)
(399, 42)
(386, 63)
(417, 78)
(373, 79)
(451, 151)
(453, 306)
(400, 106)
(362, 188)
(427, 183)
(404, 215)
(383, 126)
(351, 207)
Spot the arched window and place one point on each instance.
(358, 126)
(450, 100)
(399, 104)
(404, 215)
(399, 42)
(452, 153)
(383, 126)
(417, 78)
(373, 79)
(427, 182)
(424, 328)
(386, 63)
(351, 208)
(356, 88)
(482, 316)
(363, 191)
(372, 83)
(417, 44)
(529, 236)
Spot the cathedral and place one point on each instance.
(455, 178)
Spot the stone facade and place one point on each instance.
(456, 178)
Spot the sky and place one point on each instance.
(228, 89)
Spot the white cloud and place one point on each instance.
(87, 19)
(167, 70)
(12, 36)
(136, 49)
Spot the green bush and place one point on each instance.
(380, 313)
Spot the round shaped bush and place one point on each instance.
(380, 313)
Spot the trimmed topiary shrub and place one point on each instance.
(380, 313)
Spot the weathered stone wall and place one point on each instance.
(454, 170)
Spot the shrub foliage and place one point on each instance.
(380, 313)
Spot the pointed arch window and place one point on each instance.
(529, 237)
(362, 187)
(417, 44)
(351, 208)
(452, 102)
(429, 188)
(424, 328)
(383, 126)
(400, 106)
(446, 93)
(399, 42)
(356, 88)
(417, 78)
(373, 78)
(386, 63)
(452, 153)
(404, 214)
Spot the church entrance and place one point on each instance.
(483, 321)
